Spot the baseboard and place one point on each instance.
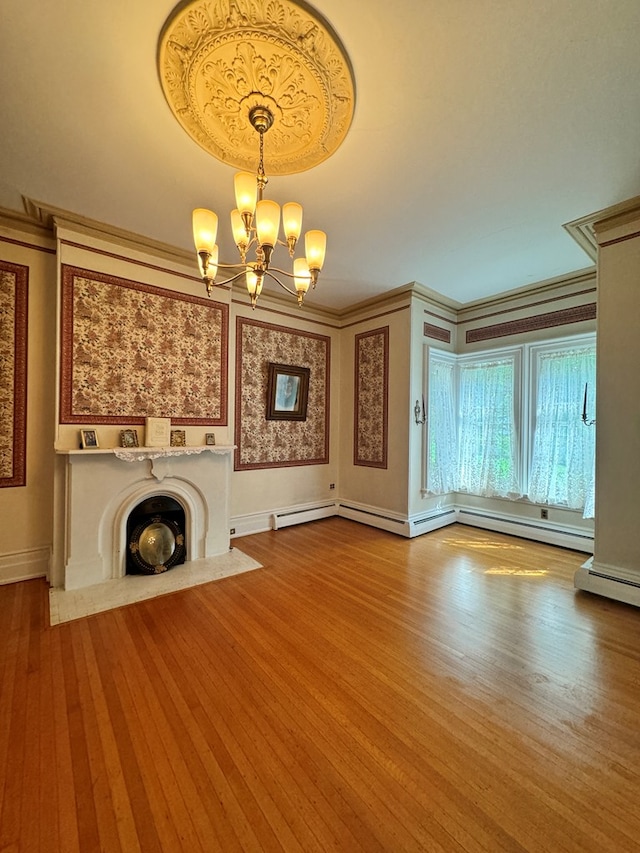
(426, 522)
(275, 519)
(24, 565)
(551, 534)
(375, 517)
(298, 515)
(590, 579)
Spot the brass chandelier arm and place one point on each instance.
(263, 273)
(270, 272)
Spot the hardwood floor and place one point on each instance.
(361, 692)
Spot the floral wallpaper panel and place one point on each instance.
(131, 350)
(275, 444)
(14, 280)
(371, 398)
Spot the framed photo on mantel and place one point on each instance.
(157, 432)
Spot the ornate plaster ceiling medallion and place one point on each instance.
(218, 59)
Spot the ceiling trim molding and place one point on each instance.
(586, 229)
(51, 217)
(580, 277)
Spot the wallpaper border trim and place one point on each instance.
(578, 314)
(437, 333)
(20, 355)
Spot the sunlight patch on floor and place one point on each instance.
(484, 543)
(514, 570)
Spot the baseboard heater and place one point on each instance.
(606, 577)
(429, 519)
(298, 516)
(540, 529)
(374, 514)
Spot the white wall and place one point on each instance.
(383, 490)
(617, 545)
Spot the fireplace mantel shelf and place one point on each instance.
(137, 454)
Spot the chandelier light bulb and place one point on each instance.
(292, 219)
(239, 230)
(301, 275)
(205, 229)
(252, 281)
(267, 222)
(212, 266)
(246, 190)
(315, 245)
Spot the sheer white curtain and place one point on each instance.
(563, 461)
(488, 441)
(442, 455)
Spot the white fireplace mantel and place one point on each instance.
(103, 485)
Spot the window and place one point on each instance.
(487, 435)
(563, 452)
(442, 450)
(482, 440)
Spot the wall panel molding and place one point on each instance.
(131, 350)
(278, 444)
(371, 398)
(14, 306)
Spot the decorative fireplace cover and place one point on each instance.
(156, 544)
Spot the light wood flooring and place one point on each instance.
(361, 692)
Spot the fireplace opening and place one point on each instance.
(155, 536)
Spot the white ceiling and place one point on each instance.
(480, 128)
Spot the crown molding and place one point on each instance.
(585, 230)
(578, 278)
(43, 219)
(24, 222)
(52, 217)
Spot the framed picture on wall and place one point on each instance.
(287, 392)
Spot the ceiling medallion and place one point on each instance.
(219, 59)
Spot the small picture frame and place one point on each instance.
(210, 438)
(128, 438)
(287, 392)
(178, 438)
(88, 438)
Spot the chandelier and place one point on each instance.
(255, 224)
(281, 64)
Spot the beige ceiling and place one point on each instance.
(481, 127)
